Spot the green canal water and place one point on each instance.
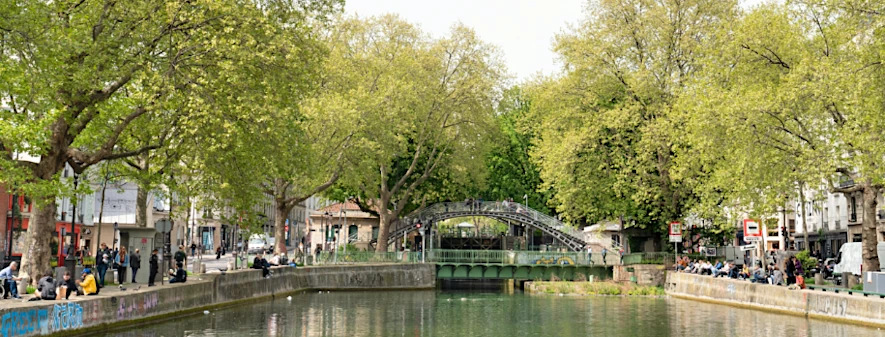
(484, 313)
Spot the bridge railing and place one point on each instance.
(489, 207)
(509, 257)
(367, 257)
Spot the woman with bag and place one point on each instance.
(122, 263)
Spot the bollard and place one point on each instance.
(848, 280)
(202, 268)
(230, 265)
(818, 279)
(197, 266)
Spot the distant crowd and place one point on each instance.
(771, 274)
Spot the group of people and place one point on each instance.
(264, 264)
(771, 274)
(48, 288)
(119, 260)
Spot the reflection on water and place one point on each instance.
(484, 313)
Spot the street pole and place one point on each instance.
(423, 249)
(346, 232)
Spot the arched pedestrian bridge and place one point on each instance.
(514, 212)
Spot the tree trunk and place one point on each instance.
(384, 220)
(279, 226)
(35, 260)
(141, 207)
(870, 238)
(804, 216)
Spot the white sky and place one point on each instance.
(522, 29)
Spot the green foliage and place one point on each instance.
(511, 172)
(808, 262)
(605, 130)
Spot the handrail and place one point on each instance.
(512, 209)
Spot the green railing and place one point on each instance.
(367, 257)
(514, 257)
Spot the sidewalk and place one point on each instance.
(107, 291)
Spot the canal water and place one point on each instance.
(479, 312)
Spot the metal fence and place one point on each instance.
(366, 257)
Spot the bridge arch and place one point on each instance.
(514, 212)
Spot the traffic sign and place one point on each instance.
(752, 230)
(748, 247)
(675, 231)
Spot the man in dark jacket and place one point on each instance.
(102, 262)
(180, 256)
(261, 263)
(178, 275)
(135, 263)
(153, 268)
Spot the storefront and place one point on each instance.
(64, 236)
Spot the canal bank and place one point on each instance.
(89, 314)
(841, 308)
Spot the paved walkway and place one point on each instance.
(107, 291)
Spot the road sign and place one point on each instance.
(675, 231)
(752, 230)
(710, 251)
(748, 247)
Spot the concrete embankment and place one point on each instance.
(842, 308)
(88, 313)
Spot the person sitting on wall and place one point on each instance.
(46, 289)
(178, 275)
(9, 280)
(274, 261)
(88, 284)
(284, 260)
(261, 263)
(67, 286)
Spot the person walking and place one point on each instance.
(135, 263)
(180, 256)
(790, 269)
(153, 268)
(102, 262)
(193, 249)
(122, 263)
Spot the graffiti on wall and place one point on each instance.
(136, 307)
(59, 317)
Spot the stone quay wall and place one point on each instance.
(91, 313)
(840, 307)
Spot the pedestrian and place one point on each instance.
(180, 255)
(135, 263)
(153, 268)
(122, 263)
(217, 253)
(9, 280)
(193, 249)
(590, 254)
(604, 252)
(102, 262)
(790, 269)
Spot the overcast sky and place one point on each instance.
(522, 29)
